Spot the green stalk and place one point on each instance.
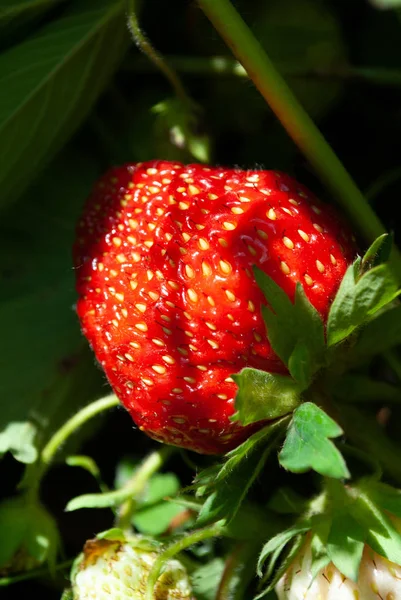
(126, 495)
(192, 538)
(153, 55)
(296, 121)
(36, 471)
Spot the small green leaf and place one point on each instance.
(345, 544)
(278, 543)
(287, 557)
(105, 500)
(295, 331)
(228, 484)
(382, 536)
(359, 298)
(379, 252)
(112, 534)
(154, 514)
(206, 579)
(308, 446)
(18, 437)
(264, 396)
(29, 534)
(84, 462)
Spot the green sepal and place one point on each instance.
(287, 556)
(378, 252)
(381, 536)
(264, 396)
(361, 294)
(345, 544)
(227, 485)
(308, 444)
(271, 551)
(113, 534)
(295, 330)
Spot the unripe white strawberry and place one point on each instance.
(118, 570)
(379, 579)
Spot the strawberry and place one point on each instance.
(378, 578)
(167, 296)
(119, 569)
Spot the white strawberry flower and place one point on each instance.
(118, 570)
(379, 579)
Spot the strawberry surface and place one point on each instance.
(167, 297)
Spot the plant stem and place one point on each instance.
(132, 488)
(193, 538)
(227, 66)
(143, 44)
(76, 421)
(137, 482)
(294, 118)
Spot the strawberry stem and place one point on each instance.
(194, 537)
(294, 118)
(36, 471)
(157, 59)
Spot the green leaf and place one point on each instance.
(206, 579)
(345, 544)
(228, 485)
(308, 446)
(154, 513)
(287, 557)
(52, 80)
(84, 462)
(29, 535)
(359, 298)
(37, 278)
(295, 331)
(19, 439)
(264, 396)
(276, 545)
(115, 533)
(18, 15)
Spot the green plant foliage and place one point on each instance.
(71, 61)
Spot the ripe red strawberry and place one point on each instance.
(167, 297)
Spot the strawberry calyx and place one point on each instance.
(337, 529)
